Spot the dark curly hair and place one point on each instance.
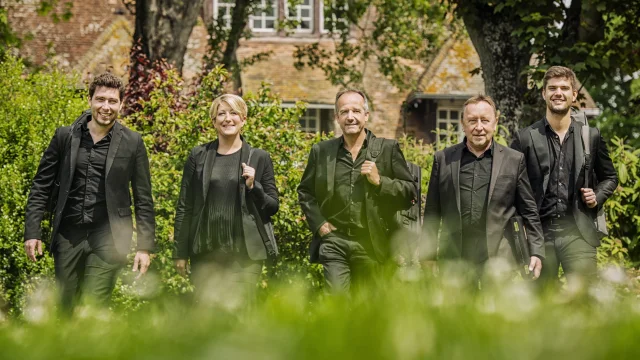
(107, 80)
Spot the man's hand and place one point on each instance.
(142, 262)
(370, 170)
(31, 246)
(589, 197)
(181, 266)
(249, 174)
(325, 229)
(535, 266)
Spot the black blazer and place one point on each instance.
(509, 192)
(532, 141)
(127, 165)
(257, 205)
(397, 192)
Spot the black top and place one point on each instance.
(223, 230)
(475, 176)
(559, 195)
(347, 209)
(87, 203)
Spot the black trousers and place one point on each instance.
(564, 245)
(348, 263)
(86, 264)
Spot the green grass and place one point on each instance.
(433, 318)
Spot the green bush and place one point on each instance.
(32, 107)
(34, 104)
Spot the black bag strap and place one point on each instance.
(374, 149)
(586, 142)
(249, 158)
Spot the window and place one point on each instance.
(448, 120)
(317, 118)
(310, 121)
(223, 9)
(332, 16)
(303, 12)
(265, 16)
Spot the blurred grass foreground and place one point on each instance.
(431, 318)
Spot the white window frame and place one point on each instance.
(263, 17)
(227, 17)
(319, 108)
(448, 121)
(322, 27)
(298, 16)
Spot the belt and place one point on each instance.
(558, 220)
(354, 232)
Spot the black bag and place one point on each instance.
(516, 234)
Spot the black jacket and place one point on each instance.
(397, 192)
(532, 141)
(509, 192)
(257, 205)
(127, 166)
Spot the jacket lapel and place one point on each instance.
(455, 172)
(541, 148)
(498, 156)
(113, 147)
(210, 157)
(73, 149)
(331, 165)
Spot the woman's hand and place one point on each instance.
(249, 174)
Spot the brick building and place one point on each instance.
(99, 34)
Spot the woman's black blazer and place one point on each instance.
(258, 204)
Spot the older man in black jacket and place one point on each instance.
(350, 190)
(89, 168)
(555, 156)
(475, 188)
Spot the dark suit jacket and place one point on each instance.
(509, 192)
(532, 141)
(127, 165)
(257, 205)
(397, 192)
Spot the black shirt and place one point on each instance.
(347, 210)
(559, 195)
(222, 216)
(475, 176)
(86, 203)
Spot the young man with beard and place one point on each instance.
(555, 155)
(89, 168)
(475, 188)
(349, 192)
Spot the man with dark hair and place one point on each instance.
(350, 190)
(84, 178)
(475, 188)
(554, 151)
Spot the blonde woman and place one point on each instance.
(227, 198)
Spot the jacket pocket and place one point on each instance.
(126, 211)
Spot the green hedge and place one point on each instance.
(34, 104)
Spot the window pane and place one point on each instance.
(302, 123)
(312, 124)
(442, 114)
(256, 23)
(269, 24)
(442, 125)
(454, 115)
(304, 12)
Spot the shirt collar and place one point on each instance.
(364, 144)
(488, 152)
(549, 128)
(85, 128)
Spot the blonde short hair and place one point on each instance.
(234, 101)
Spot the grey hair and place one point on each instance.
(355, 91)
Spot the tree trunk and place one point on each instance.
(164, 26)
(501, 59)
(239, 20)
